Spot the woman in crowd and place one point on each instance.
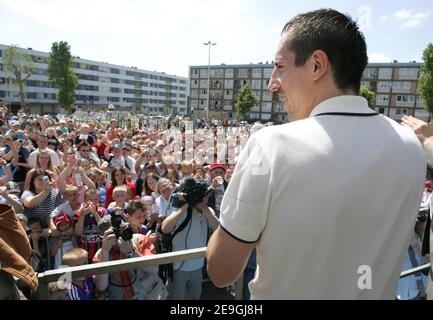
(118, 178)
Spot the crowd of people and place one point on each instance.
(68, 181)
(325, 205)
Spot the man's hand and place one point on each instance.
(421, 128)
(89, 207)
(3, 191)
(108, 241)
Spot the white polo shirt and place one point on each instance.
(327, 198)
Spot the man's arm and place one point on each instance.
(223, 271)
(424, 133)
(169, 223)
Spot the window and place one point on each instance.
(370, 73)
(267, 73)
(257, 72)
(203, 83)
(381, 110)
(228, 84)
(242, 73)
(405, 98)
(403, 85)
(385, 73)
(408, 72)
(384, 85)
(256, 84)
(382, 99)
(203, 73)
(229, 73)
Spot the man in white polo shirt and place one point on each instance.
(329, 199)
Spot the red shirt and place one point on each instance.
(110, 188)
(100, 149)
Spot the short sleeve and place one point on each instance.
(26, 194)
(244, 209)
(57, 211)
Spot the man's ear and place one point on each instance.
(319, 64)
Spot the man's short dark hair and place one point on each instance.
(338, 36)
(134, 205)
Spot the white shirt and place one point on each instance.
(163, 206)
(53, 155)
(194, 235)
(323, 197)
(62, 209)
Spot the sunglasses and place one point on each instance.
(85, 150)
(126, 149)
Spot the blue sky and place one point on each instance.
(168, 36)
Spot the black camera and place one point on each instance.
(194, 192)
(121, 228)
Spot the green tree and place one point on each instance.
(425, 82)
(21, 65)
(369, 95)
(60, 71)
(245, 101)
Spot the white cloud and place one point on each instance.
(378, 57)
(410, 18)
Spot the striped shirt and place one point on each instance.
(87, 292)
(42, 212)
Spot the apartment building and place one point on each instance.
(394, 84)
(99, 84)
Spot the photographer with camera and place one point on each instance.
(188, 226)
(118, 243)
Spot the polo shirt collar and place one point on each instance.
(349, 104)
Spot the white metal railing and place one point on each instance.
(122, 265)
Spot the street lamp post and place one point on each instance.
(209, 43)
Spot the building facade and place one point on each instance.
(99, 84)
(394, 83)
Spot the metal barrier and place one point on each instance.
(146, 261)
(416, 270)
(122, 265)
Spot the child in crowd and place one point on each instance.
(120, 197)
(87, 219)
(80, 288)
(100, 181)
(66, 241)
(152, 211)
(135, 215)
(70, 207)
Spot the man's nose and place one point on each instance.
(274, 84)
